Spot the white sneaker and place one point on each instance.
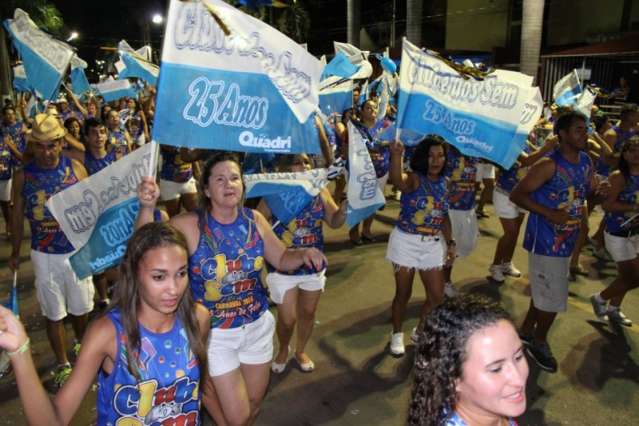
(615, 315)
(509, 269)
(414, 336)
(450, 290)
(496, 273)
(397, 344)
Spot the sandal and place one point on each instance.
(279, 367)
(306, 367)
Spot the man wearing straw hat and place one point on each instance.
(58, 289)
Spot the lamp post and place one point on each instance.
(74, 35)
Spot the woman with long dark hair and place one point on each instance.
(228, 247)
(150, 339)
(470, 366)
(421, 240)
(621, 234)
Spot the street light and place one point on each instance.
(73, 36)
(157, 19)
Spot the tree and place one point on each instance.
(531, 30)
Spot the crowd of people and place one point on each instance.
(200, 271)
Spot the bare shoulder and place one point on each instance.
(187, 223)
(100, 336)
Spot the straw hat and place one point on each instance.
(46, 127)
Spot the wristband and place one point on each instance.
(22, 349)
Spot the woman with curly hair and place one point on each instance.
(470, 367)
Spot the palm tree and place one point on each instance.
(531, 30)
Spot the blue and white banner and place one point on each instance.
(479, 117)
(98, 213)
(112, 90)
(45, 59)
(364, 194)
(339, 66)
(585, 102)
(286, 193)
(406, 136)
(335, 95)
(20, 82)
(79, 82)
(137, 63)
(567, 90)
(254, 90)
(357, 57)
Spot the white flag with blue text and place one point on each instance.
(252, 90)
(479, 117)
(45, 59)
(98, 214)
(364, 194)
(287, 194)
(566, 91)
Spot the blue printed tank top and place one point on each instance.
(168, 390)
(304, 231)
(381, 161)
(39, 186)
(118, 140)
(174, 169)
(94, 165)
(509, 178)
(225, 270)
(567, 190)
(630, 195)
(6, 161)
(462, 171)
(424, 210)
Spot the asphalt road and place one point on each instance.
(356, 382)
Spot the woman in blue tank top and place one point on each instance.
(228, 247)
(147, 350)
(421, 241)
(621, 234)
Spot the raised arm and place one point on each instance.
(335, 215)
(405, 182)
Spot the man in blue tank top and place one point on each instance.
(58, 289)
(554, 191)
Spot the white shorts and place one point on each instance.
(465, 230)
(58, 288)
(548, 278)
(622, 249)
(170, 190)
(416, 251)
(485, 171)
(248, 344)
(279, 284)
(5, 190)
(505, 208)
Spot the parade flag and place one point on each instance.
(406, 136)
(364, 194)
(335, 95)
(79, 82)
(357, 57)
(585, 102)
(339, 66)
(287, 194)
(230, 81)
(45, 59)
(112, 90)
(98, 214)
(478, 116)
(20, 82)
(137, 63)
(567, 90)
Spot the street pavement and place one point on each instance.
(357, 382)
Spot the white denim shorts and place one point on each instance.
(170, 190)
(416, 251)
(485, 171)
(279, 284)
(622, 249)
(505, 208)
(58, 289)
(249, 344)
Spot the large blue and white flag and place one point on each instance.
(20, 82)
(339, 66)
(45, 59)
(357, 57)
(112, 90)
(98, 214)
(335, 95)
(137, 63)
(479, 117)
(585, 101)
(406, 136)
(79, 82)
(287, 194)
(364, 194)
(567, 90)
(251, 90)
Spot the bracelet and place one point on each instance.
(22, 349)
